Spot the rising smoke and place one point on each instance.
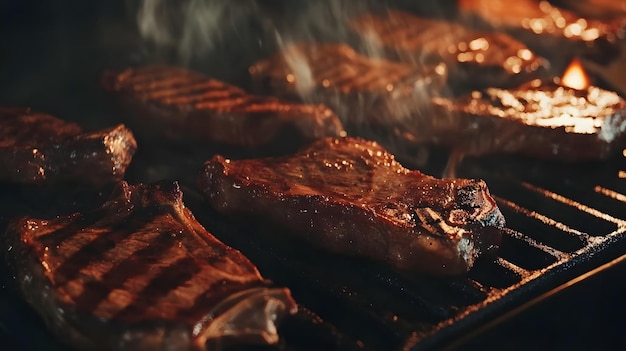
(194, 28)
(244, 31)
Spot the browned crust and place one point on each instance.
(470, 125)
(474, 58)
(79, 272)
(39, 148)
(361, 90)
(185, 105)
(354, 218)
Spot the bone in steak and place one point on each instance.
(37, 148)
(140, 273)
(185, 105)
(474, 58)
(364, 92)
(349, 196)
(537, 119)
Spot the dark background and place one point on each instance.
(51, 54)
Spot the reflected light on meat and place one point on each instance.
(575, 76)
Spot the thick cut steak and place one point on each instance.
(475, 59)
(140, 273)
(541, 120)
(363, 91)
(556, 33)
(350, 196)
(37, 148)
(185, 105)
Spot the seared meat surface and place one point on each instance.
(184, 105)
(364, 92)
(140, 273)
(37, 148)
(474, 58)
(554, 32)
(350, 196)
(540, 120)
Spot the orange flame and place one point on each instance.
(575, 76)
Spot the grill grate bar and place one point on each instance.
(502, 262)
(610, 193)
(560, 255)
(477, 285)
(576, 204)
(545, 219)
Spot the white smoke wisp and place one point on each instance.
(151, 22)
(298, 63)
(316, 22)
(192, 28)
(330, 22)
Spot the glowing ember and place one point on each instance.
(575, 76)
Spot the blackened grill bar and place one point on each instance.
(563, 221)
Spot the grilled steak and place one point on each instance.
(185, 105)
(364, 92)
(37, 148)
(350, 196)
(539, 119)
(475, 59)
(140, 273)
(556, 33)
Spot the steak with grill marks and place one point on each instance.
(140, 273)
(182, 105)
(553, 32)
(37, 148)
(350, 196)
(474, 58)
(364, 92)
(539, 119)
